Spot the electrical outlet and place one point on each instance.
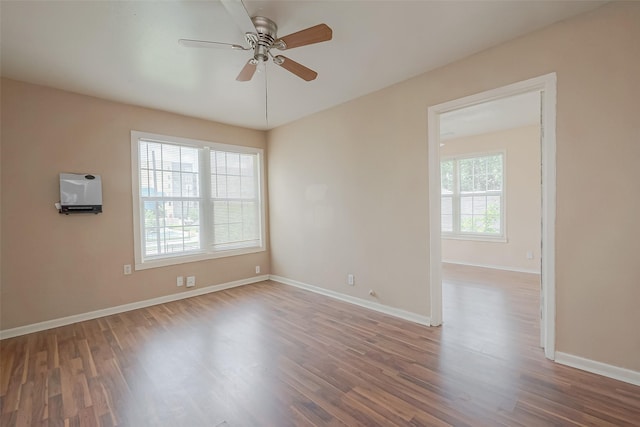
(351, 280)
(191, 281)
(257, 269)
(529, 255)
(127, 269)
(180, 281)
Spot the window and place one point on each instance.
(194, 200)
(472, 204)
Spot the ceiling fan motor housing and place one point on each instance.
(264, 39)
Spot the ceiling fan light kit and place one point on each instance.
(262, 38)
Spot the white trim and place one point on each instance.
(435, 211)
(610, 371)
(63, 321)
(475, 238)
(183, 259)
(494, 267)
(548, 86)
(548, 137)
(396, 312)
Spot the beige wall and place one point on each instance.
(348, 186)
(522, 200)
(55, 265)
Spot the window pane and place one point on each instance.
(493, 227)
(170, 157)
(189, 159)
(479, 205)
(465, 168)
(168, 173)
(235, 204)
(235, 212)
(171, 227)
(480, 174)
(233, 163)
(235, 232)
(214, 186)
(190, 213)
(221, 234)
(447, 222)
(250, 220)
(189, 184)
(233, 187)
(466, 205)
(466, 223)
(150, 155)
(150, 214)
(446, 217)
(221, 181)
(446, 205)
(493, 203)
(220, 212)
(156, 184)
(247, 164)
(144, 183)
(478, 223)
(247, 187)
(220, 162)
(446, 176)
(493, 214)
(494, 173)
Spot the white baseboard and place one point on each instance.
(495, 267)
(396, 312)
(621, 374)
(63, 321)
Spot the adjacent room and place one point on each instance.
(491, 223)
(247, 213)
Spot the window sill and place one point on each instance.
(476, 238)
(200, 256)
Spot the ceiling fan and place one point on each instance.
(261, 35)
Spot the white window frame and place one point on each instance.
(208, 251)
(457, 234)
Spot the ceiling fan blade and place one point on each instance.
(207, 44)
(315, 34)
(239, 14)
(298, 69)
(247, 71)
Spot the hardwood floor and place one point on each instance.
(272, 355)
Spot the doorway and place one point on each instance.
(546, 86)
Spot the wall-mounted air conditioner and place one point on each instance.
(80, 193)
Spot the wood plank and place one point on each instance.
(268, 354)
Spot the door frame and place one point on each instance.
(547, 85)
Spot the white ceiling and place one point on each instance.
(127, 51)
(504, 113)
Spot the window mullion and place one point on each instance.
(456, 197)
(157, 212)
(256, 194)
(206, 205)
